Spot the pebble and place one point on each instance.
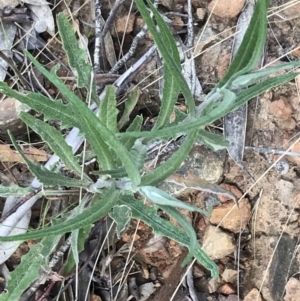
(217, 244)
(226, 8)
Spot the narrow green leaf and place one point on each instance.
(227, 97)
(164, 40)
(56, 142)
(102, 140)
(167, 168)
(121, 215)
(100, 207)
(88, 120)
(74, 245)
(170, 96)
(108, 112)
(114, 173)
(138, 155)
(256, 90)
(163, 227)
(50, 109)
(212, 140)
(241, 98)
(129, 106)
(82, 236)
(14, 190)
(45, 176)
(252, 46)
(78, 235)
(160, 197)
(254, 77)
(187, 226)
(30, 268)
(135, 126)
(76, 56)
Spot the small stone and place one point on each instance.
(227, 289)
(285, 191)
(177, 23)
(226, 8)
(94, 298)
(292, 290)
(281, 108)
(200, 12)
(125, 24)
(288, 124)
(236, 218)
(229, 275)
(253, 295)
(233, 189)
(216, 243)
(168, 4)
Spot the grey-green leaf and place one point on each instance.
(76, 56)
(251, 48)
(129, 106)
(167, 46)
(212, 140)
(254, 77)
(102, 140)
(121, 215)
(217, 113)
(50, 109)
(30, 268)
(47, 177)
(14, 190)
(163, 227)
(56, 142)
(100, 207)
(135, 126)
(160, 197)
(167, 168)
(108, 112)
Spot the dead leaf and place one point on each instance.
(33, 154)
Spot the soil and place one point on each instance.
(256, 248)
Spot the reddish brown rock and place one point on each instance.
(233, 189)
(227, 289)
(233, 218)
(281, 108)
(226, 8)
